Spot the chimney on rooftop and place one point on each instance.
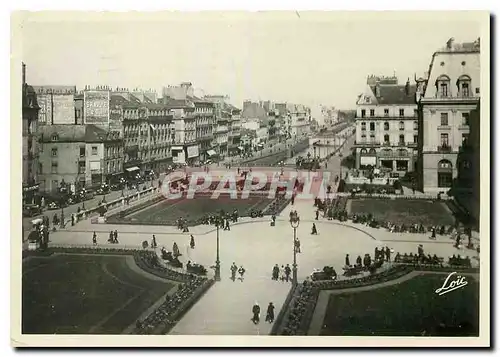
(24, 73)
(377, 89)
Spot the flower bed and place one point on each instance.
(165, 317)
(148, 261)
(118, 217)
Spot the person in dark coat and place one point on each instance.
(111, 238)
(314, 230)
(433, 236)
(297, 245)
(234, 269)
(347, 262)
(191, 242)
(317, 214)
(153, 242)
(287, 271)
(377, 252)
(387, 254)
(94, 239)
(226, 228)
(270, 313)
(358, 260)
(241, 271)
(256, 313)
(276, 272)
(115, 236)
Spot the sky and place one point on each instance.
(307, 58)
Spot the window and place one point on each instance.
(465, 118)
(415, 139)
(386, 139)
(466, 164)
(444, 119)
(55, 184)
(372, 151)
(81, 167)
(444, 140)
(363, 136)
(465, 139)
(401, 125)
(465, 90)
(386, 112)
(363, 126)
(372, 126)
(372, 136)
(463, 84)
(55, 137)
(401, 139)
(372, 112)
(54, 152)
(477, 90)
(386, 126)
(94, 150)
(443, 89)
(363, 151)
(54, 168)
(401, 112)
(415, 125)
(442, 85)
(445, 173)
(82, 151)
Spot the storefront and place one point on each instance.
(31, 194)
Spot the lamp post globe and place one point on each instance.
(294, 222)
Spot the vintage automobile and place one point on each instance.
(31, 210)
(103, 189)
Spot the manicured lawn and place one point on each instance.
(81, 294)
(406, 309)
(404, 211)
(169, 211)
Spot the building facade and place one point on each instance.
(234, 135)
(446, 97)
(30, 144)
(387, 125)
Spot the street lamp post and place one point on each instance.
(294, 222)
(219, 221)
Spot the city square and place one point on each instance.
(195, 211)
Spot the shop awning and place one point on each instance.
(130, 169)
(177, 148)
(211, 153)
(240, 148)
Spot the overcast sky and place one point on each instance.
(309, 58)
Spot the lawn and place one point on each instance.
(400, 211)
(168, 211)
(84, 294)
(406, 309)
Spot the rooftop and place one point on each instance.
(395, 94)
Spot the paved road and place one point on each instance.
(27, 226)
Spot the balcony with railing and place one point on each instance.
(362, 143)
(444, 148)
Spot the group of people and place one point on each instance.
(182, 225)
(113, 237)
(256, 313)
(234, 269)
(285, 273)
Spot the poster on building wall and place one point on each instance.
(96, 107)
(192, 151)
(63, 106)
(180, 158)
(368, 160)
(115, 118)
(95, 165)
(45, 109)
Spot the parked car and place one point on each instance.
(31, 210)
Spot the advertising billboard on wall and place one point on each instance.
(115, 118)
(96, 107)
(368, 160)
(63, 107)
(44, 113)
(192, 151)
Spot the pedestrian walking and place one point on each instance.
(347, 262)
(94, 239)
(256, 313)
(234, 269)
(115, 237)
(241, 271)
(153, 242)
(287, 271)
(314, 230)
(270, 313)
(191, 243)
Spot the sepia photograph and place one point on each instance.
(288, 178)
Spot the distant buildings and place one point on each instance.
(386, 125)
